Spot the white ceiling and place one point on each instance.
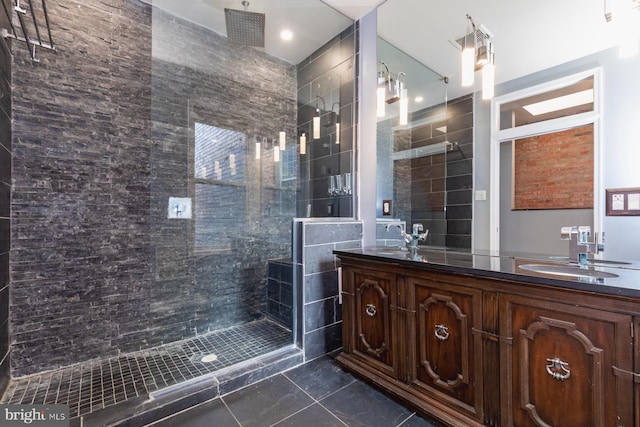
(527, 36)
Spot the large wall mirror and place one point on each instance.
(424, 150)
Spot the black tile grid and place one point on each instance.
(100, 383)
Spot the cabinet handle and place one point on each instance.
(371, 310)
(441, 332)
(558, 369)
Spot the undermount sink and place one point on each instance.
(592, 261)
(569, 271)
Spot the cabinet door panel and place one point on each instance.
(373, 319)
(561, 365)
(447, 356)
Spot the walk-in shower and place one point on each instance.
(191, 290)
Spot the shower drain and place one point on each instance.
(208, 358)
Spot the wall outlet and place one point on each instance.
(179, 208)
(481, 195)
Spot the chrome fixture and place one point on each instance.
(22, 34)
(339, 185)
(416, 235)
(579, 244)
(244, 27)
(478, 54)
(407, 238)
(384, 85)
(390, 91)
(413, 238)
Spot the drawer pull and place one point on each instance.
(558, 369)
(371, 310)
(441, 332)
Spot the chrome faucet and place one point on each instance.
(579, 244)
(417, 235)
(401, 226)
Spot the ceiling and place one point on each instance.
(527, 36)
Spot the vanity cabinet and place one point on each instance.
(479, 351)
(369, 305)
(443, 352)
(562, 366)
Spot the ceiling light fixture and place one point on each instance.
(560, 103)
(286, 35)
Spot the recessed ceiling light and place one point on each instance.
(560, 103)
(286, 35)
(418, 99)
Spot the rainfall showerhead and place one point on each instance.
(243, 27)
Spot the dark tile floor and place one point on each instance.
(97, 384)
(317, 394)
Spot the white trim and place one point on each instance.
(498, 136)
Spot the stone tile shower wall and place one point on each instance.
(5, 200)
(440, 192)
(242, 216)
(329, 73)
(102, 133)
(81, 275)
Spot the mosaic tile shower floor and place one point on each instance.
(100, 383)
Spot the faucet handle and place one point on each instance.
(566, 232)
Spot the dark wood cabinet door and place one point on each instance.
(372, 305)
(446, 361)
(563, 365)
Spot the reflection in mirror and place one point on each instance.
(424, 166)
(547, 170)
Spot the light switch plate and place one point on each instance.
(179, 208)
(481, 195)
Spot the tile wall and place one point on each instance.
(326, 80)
(5, 200)
(314, 241)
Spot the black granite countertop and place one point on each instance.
(508, 266)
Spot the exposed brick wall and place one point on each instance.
(554, 171)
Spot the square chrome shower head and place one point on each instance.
(243, 27)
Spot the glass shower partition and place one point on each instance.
(223, 193)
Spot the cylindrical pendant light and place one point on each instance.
(303, 143)
(283, 140)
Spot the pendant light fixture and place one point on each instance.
(303, 143)
(469, 53)
(403, 96)
(316, 118)
(336, 117)
(384, 82)
(478, 54)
